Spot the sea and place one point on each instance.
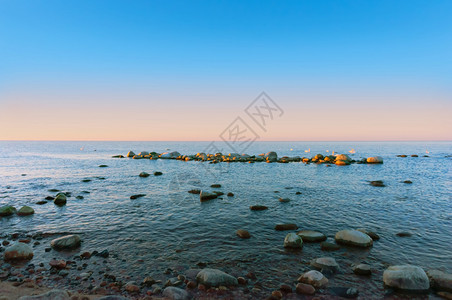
(170, 228)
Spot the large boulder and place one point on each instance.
(375, 160)
(66, 242)
(343, 157)
(175, 293)
(311, 236)
(25, 211)
(406, 277)
(292, 240)
(173, 154)
(19, 251)
(353, 238)
(214, 277)
(439, 280)
(314, 278)
(130, 154)
(7, 210)
(51, 295)
(271, 156)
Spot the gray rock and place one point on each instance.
(353, 238)
(314, 278)
(271, 156)
(328, 263)
(214, 277)
(66, 242)
(406, 277)
(362, 269)
(51, 295)
(292, 240)
(311, 236)
(175, 293)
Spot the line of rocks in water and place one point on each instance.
(269, 157)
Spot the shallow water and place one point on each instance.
(171, 228)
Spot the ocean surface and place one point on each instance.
(170, 228)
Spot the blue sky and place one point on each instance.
(238, 47)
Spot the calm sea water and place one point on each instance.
(171, 228)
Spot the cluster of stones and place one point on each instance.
(341, 159)
(8, 210)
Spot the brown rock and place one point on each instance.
(281, 227)
(57, 264)
(277, 294)
(243, 234)
(305, 289)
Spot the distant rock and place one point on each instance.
(406, 277)
(216, 185)
(130, 154)
(66, 242)
(353, 238)
(440, 281)
(271, 156)
(7, 210)
(311, 236)
(230, 194)
(408, 182)
(206, 196)
(292, 240)
(215, 278)
(60, 199)
(375, 160)
(283, 227)
(258, 207)
(175, 293)
(25, 211)
(404, 234)
(284, 200)
(244, 234)
(51, 295)
(143, 153)
(169, 155)
(378, 183)
(343, 157)
(103, 166)
(133, 197)
(314, 278)
(144, 174)
(157, 173)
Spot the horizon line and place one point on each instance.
(258, 141)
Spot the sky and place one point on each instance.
(186, 70)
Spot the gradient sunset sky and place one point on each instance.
(184, 70)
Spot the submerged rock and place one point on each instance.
(439, 280)
(60, 199)
(282, 227)
(311, 236)
(258, 207)
(328, 246)
(345, 292)
(353, 238)
(314, 278)
(362, 269)
(325, 263)
(175, 293)
(292, 240)
(215, 278)
(25, 211)
(66, 242)
(406, 277)
(18, 251)
(244, 234)
(51, 295)
(144, 174)
(284, 200)
(7, 210)
(374, 236)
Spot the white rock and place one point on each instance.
(51, 295)
(314, 278)
(214, 277)
(292, 240)
(375, 160)
(406, 277)
(353, 238)
(19, 251)
(66, 242)
(175, 293)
